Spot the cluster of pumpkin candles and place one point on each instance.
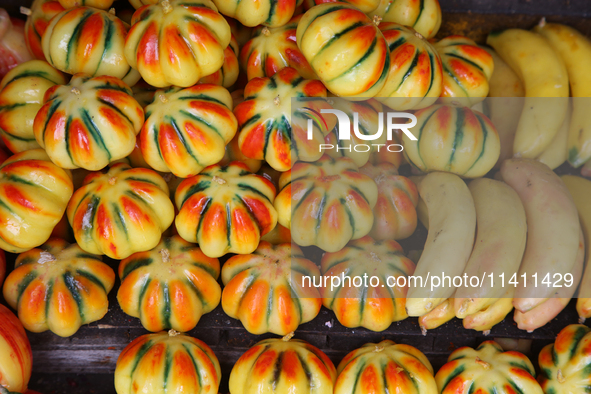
(166, 140)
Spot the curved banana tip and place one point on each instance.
(461, 307)
(524, 305)
(542, 22)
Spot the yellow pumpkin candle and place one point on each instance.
(343, 197)
(88, 40)
(35, 193)
(21, 96)
(487, 369)
(120, 212)
(170, 286)
(88, 123)
(378, 301)
(187, 130)
(225, 209)
(291, 366)
(167, 363)
(176, 42)
(345, 48)
(385, 367)
(265, 289)
(59, 287)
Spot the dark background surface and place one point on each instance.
(85, 362)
